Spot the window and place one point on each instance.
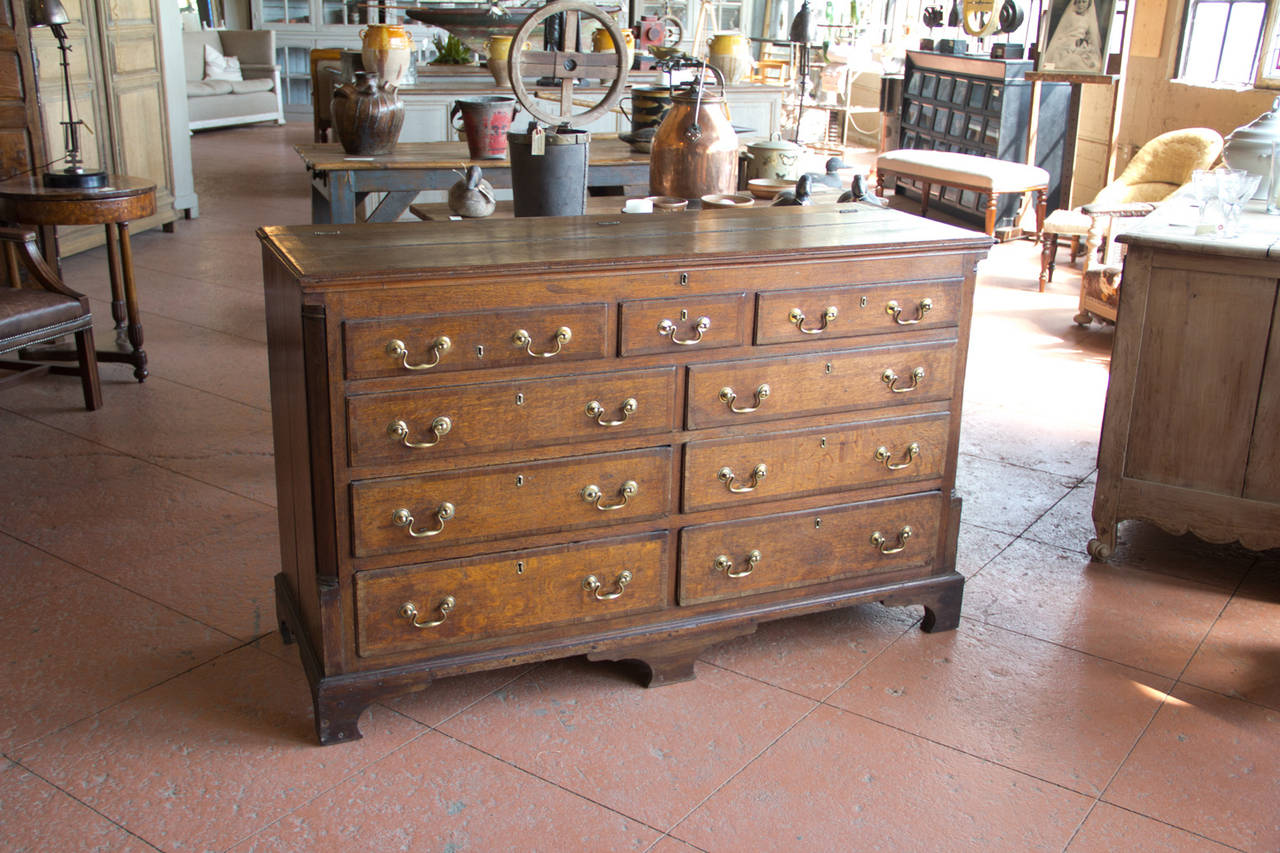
(1221, 42)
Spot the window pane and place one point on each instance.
(1205, 45)
(1243, 27)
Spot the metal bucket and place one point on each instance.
(553, 183)
(649, 106)
(485, 121)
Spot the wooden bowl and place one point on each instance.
(668, 203)
(768, 187)
(723, 201)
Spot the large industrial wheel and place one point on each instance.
(568, 65)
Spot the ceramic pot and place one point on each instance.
(1249, 147)
(774, 158)
(367, 116)
(649, 106)
(387, 50)
(499, 48)
(731, 55)
(602, 42)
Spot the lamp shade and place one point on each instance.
(47, 13)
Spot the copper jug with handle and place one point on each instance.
(695, 150)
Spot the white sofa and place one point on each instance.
(219, 103)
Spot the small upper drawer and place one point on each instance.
(477, 504)
(439, 343)
(734, 471)
(821, 313)
(732, 392)
(671, 325)
(409, 425)
(733, 558)
(419, 607)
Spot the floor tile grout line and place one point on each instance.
(151, 312)
(1076, 481)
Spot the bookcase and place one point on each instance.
(975, 105)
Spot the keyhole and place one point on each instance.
(862, 303)
(684, 313)
(519, 567)
(817, 522)
(519, 399)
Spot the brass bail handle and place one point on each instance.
(594, 496)
(409, 611)
(728, 396)
(594, 585)
(668, 328)
(797, 319)
(893, 309)
(439, 428)
(403, 518)
(726, 476)
(397, 350)
(725, 564)
(891, 379)
(879, 541)
(522, 339)
(596, 412)
(884, 455)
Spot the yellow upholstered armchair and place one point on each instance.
(1158, 169)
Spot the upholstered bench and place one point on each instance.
(985, 175)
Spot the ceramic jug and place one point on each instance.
(367, 116)
(602, 42)
(775, 159)
(731, 54)
(499, 49)
(387, 50)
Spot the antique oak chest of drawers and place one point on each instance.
(628, 437)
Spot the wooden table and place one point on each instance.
(340, 183)
(1191, 431)
(25, 201)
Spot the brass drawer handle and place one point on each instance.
(402, 518)
(726, 476)
(522, 339)
(668, 328)
(724, 564)
(593, 585)
(883, 455)
(923, 307)
(596, 411)
(592, 495)
(400, 430)
(891, 379)
(878, 540)
(797, 319)
(727, 396)
(397, 349)
(409, 611)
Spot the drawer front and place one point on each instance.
(409, 425)
(674, 325)
(735, 558)
(735, 471)
(418, 607)
(822, 313)
(442, 343)
(454, 507)
(734, 392)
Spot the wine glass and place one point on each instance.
(1235, 187)
(1205, 188)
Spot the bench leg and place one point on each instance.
(1048, 251)
(991, 214)
(1040, 205)
(926, 188)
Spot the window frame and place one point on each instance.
(1266, 44)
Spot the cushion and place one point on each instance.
(25, 310)
(1070, 222)
(951, 167)
(255, 84)
(219, 67)
(205, 88)
(1171, 157)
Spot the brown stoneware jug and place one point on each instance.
(695, 151)
(367, 116)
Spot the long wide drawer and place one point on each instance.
(454, 507)
(735, 558)
(408, 425)
(733, 392)
(821, 313)
(733, 471)
(417, 607)
(442, 343)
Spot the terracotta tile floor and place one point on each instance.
(148, 705)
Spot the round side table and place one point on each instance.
(25, 201)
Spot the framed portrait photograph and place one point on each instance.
(1075, 36)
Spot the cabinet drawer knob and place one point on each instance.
(397, 349)
(409, 611)
(522, 339)
(400, 430)
(726, 476)
(797, 319)
(402, 518)
(891, 379)
(594, 585)
(592, 495)
(725, 564)
(883, 455)
(893, 309)
(668, 329)
(879, 541)
(728, 397)
(596, 411)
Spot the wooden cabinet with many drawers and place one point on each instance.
(624, 437)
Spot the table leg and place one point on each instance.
(319, 203)
(925, 189)
(139, 359)
(342, 198)
(117, 289)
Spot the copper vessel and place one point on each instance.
(695, 151)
